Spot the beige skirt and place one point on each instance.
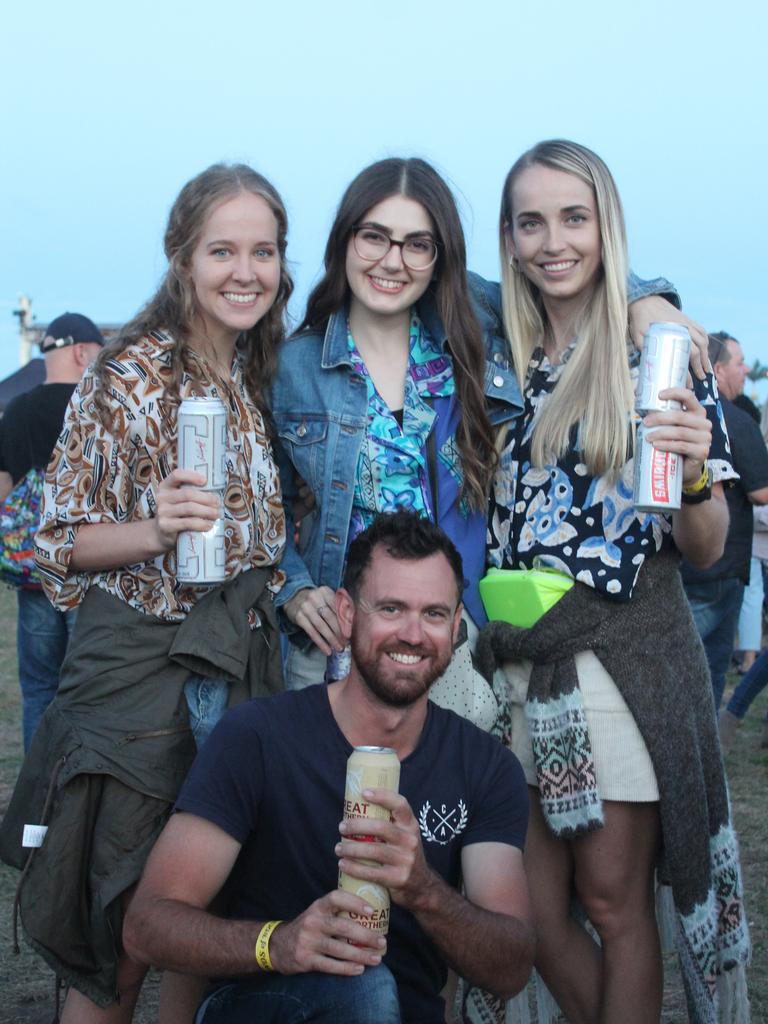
(622, 764)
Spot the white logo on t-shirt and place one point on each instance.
(441, 826)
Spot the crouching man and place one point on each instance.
(261, 810)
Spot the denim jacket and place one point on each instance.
(320, 409)
(319, 405)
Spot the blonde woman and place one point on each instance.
(605, 699)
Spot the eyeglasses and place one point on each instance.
(372, 245)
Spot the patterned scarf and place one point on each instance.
(650, 648)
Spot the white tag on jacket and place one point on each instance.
(33, 836)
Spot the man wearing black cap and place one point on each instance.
(28, 433)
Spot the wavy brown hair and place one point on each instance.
(173, 307)
(416, 179)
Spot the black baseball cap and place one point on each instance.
(69, 329)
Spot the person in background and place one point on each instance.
(28, 432)
(154, 661)
(715, 593)
(756, 675)
(750, 686)
(605, 699)
(750, 628)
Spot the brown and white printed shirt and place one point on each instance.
(100, 475)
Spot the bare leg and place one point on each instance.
(614, 875)
(78, 1009)
(180, 996)
(567, 957)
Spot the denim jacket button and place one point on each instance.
(498, 381)
(301, 430)
(498, 358)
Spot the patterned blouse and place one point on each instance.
(560, 517)
(100, 475)
(392, 471)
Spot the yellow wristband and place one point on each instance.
(262, 945)
(700, 484)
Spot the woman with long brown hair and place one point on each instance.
(154, 660)
(387, 395)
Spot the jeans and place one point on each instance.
(367, 998)
(749, 687)
(207, 701)
(42, 634)
(751, 615)
(716, 605)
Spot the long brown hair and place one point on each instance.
(173, 306)
(416, 179)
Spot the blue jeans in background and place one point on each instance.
(207, 701)
(750, 686)
(42, 634)
(367, 998)
(716, 605)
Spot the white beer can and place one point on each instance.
(369, 768)
(663, 364)
(202, 557)
(202, 432)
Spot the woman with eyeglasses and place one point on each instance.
(606, 699)
(389, 396)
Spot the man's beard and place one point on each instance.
(385, 687)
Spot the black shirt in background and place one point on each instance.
(30, 428)
(749, 456)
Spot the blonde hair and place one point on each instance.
(594, 391)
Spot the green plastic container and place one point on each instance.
(522, 596)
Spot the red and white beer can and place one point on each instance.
(663, 364)
(658, 479)
(202, 433)
(369, 768)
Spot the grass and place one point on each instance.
(26, 983)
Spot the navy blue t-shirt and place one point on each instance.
(272, 776)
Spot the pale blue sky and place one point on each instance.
(106, 112)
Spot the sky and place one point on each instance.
(107, 110)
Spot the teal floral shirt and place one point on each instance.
(392, 471)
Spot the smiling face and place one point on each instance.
(387, 287)
(554, 233)
(402, 625)
(235, 267)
